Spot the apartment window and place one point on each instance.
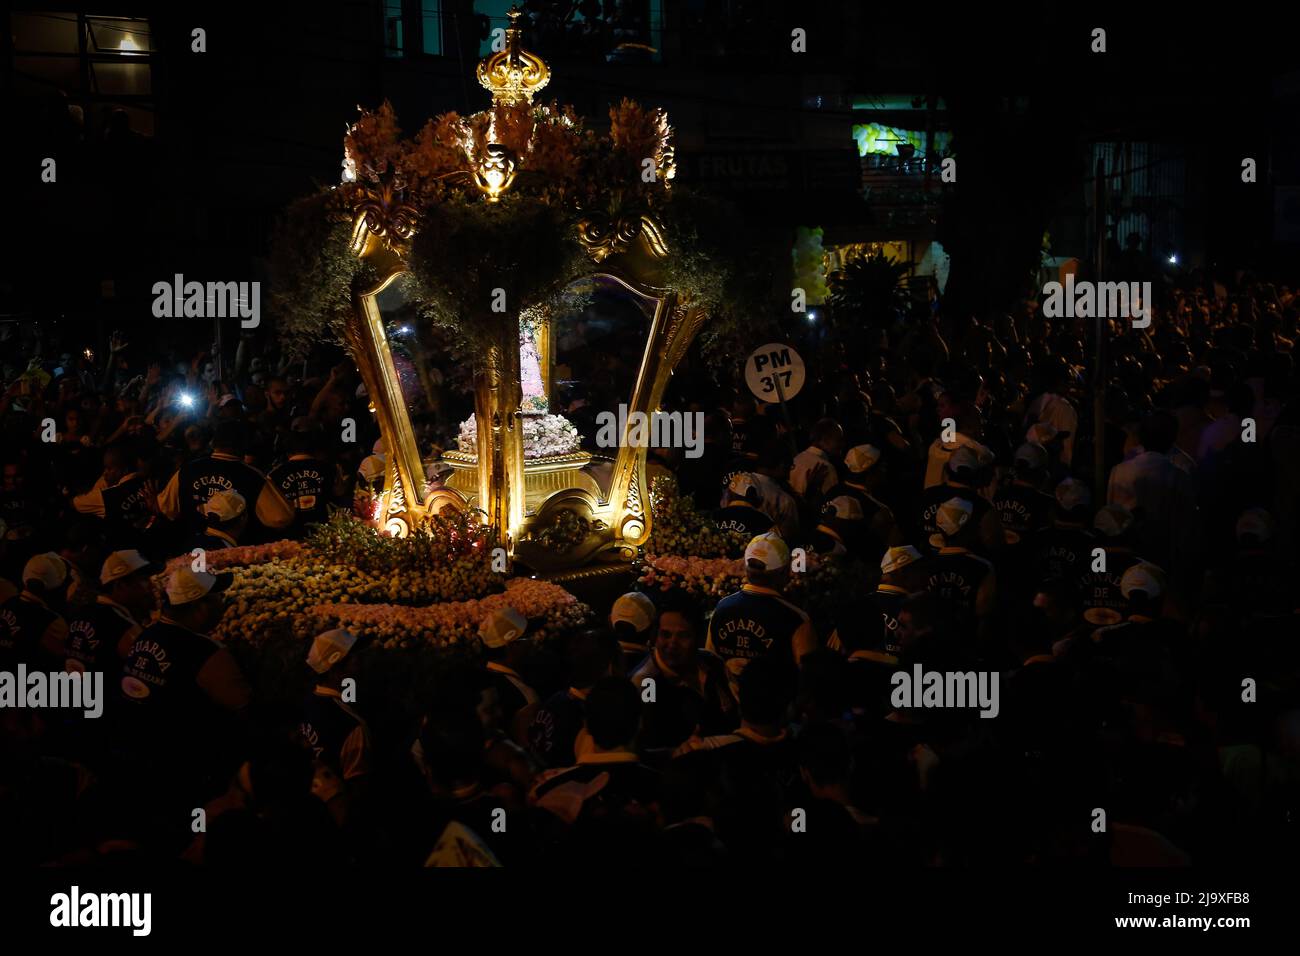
(431, 26)
(99, 61)
(393, 28)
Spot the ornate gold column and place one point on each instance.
(500, 444)
(671, 331)
(381, 229)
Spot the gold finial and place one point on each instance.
(513, 74)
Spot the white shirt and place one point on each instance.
(805, 462)
(1056, 411)
(1152, 482)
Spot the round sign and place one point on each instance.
(774, 372)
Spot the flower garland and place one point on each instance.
(453, 622)
(246, 555)
(432, 588)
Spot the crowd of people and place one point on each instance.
(1141, 633)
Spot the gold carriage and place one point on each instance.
(604, 496)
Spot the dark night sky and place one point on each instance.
(258, 120)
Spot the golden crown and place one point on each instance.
(513, 74)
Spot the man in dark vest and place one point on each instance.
(956, 574)
(504, 634)
(335, 734)
(120, 497)
(101, 632)
(183, 698)
(226, 514)
(1022, 505)
(742, 512)
(307, 481)
(964, 476)
(757, 621)
(632, 618)
(32, 626)
(1098, 581)
(223, 470)
(864, 475)
(1061, 552)
(841, 529)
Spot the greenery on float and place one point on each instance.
(465, 248)
(313, 271)
(445, 539)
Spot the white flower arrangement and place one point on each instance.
(544, 436)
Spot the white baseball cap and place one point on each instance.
(634, 608)
(1031, 454)
(1042, 433)
(1072, 494)
(965, 458)
(742, 483)
(951, 518)
(185, 586)
(844, 507)
(1142, 577)
(119, 564)
(501, 627)
(896, 559)
(227, 399)
(861, 458)
(770, 549)
(48, 568)
(328, 648)
(227, 505)
(1113, 520)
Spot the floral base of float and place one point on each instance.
(416, 602)
(430, 589)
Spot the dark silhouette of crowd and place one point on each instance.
(1142, 632)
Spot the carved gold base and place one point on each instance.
(553, 485)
